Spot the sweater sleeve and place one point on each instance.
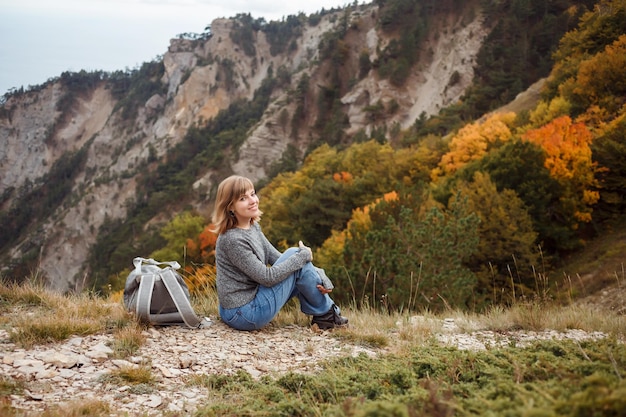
(272, 253)
(249, 258)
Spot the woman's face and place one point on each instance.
(246, 207)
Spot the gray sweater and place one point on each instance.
(243, 259)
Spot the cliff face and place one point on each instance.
(36, 131)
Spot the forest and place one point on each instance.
(465, 218)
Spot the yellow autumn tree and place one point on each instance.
(601, 82)
(473, 141)
(568, 158)
(548, 111)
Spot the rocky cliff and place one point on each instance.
(37, 131)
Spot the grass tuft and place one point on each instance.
(135, 375)
(366, 340)
(128, 340)
(82, 408)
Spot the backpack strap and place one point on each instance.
(180, 300)
(144, 297)
(138, 261)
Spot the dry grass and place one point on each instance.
(598, 268)
(80, 408)
(539, 317)
(36, 315)
(204, 300)
(32, 331)
(368, 328)
(133, 375)
(128, 340)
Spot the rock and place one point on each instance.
(168, 373)
(27, 362)
(66, 373)
(187, 361)
(154, 401)
(58, 359)
(75, 341)
(9, 359)
(120, 363)
(33, 396)
(253, 371)
(99, 352)
(46, 374)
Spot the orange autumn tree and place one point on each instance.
(200, 272)
(568, 158)
(473, 141)
(202, 248)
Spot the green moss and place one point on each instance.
(548, 378)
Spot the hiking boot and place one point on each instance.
(330, 320)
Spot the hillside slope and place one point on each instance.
(40, 133)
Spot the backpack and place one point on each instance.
(160, 296)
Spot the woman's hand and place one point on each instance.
(324, 290)
(306, 249)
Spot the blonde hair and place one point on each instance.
(228, 192)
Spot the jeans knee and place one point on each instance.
(289, 252)
(309, 273)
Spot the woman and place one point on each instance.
(254, 280)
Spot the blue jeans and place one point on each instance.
(269, 300)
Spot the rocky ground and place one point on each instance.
(77, 369)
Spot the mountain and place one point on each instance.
(86, 155)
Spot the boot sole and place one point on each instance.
(329, 327)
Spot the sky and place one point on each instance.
(40, 39)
